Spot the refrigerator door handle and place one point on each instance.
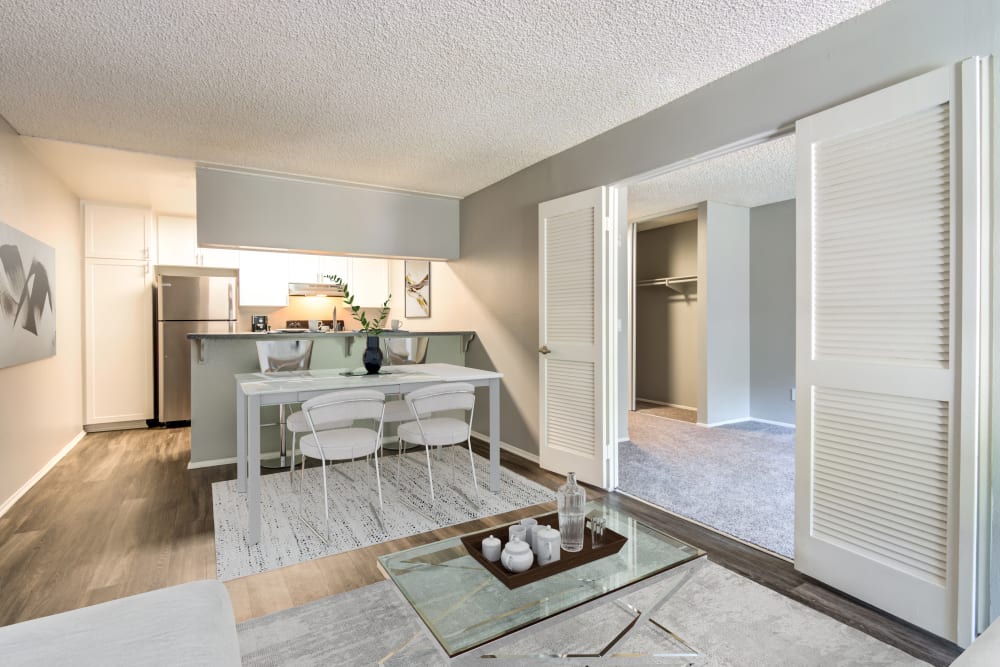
(232, 309)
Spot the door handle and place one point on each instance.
(544, 349)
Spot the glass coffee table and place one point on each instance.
(472, 615)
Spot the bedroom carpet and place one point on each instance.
(729, 619)
(354, 517)
(736, 480)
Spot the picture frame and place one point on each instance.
(417, 288)
(27, 298)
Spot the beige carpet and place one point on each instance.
(738, 481)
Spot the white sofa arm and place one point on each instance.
(190, 624)
(984, 652)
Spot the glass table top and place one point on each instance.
(465, 606)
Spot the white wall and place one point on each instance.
(772, 311)
(498, 268)
(724, 306)
(41, 402)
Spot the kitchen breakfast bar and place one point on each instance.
(217, 357)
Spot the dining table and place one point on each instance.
(256, 390)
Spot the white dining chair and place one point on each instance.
(327, 441)
(432, 429)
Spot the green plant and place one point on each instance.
(370, 327)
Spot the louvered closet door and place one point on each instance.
(571, 337)
(880, 237)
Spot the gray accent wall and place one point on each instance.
(772, 311)
(666, 322)
(250, 210)
(499, 240)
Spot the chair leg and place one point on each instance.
(399, 459)
(291, 465)
(472, 461)
(378, 483)
(326, 500)
(430, 475)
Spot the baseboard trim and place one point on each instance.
(211, 463)
(669, 405)
(726, 422)
(517, 451)
(771, 421)
(7, 504)
(114, 426)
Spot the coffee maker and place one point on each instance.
(258, 323)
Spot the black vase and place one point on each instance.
(372, 358)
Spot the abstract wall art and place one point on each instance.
(27, 305)
(417, 288)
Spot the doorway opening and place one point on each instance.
(711, 322)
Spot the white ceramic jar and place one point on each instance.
(547, 547)
(517, 556)
(491, 549)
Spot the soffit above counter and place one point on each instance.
(252, 210)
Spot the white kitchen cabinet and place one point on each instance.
(176, 241)
(220, 258)
(117, 232)
(118, 335)
(369, 281)
(302, 268)
(263, 278)
(334, 265)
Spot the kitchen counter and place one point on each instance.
(271, 335)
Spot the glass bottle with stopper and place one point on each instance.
(572, 499)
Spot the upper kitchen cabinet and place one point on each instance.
(220, 258)
(117, 232)
(176, 241)
(369, 281)
(302, 268)
(263, 278)
(333, 265)
(177, 245)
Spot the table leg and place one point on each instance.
(253, 469)
(495, 435)
(241, 440)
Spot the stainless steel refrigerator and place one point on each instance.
(186, 304)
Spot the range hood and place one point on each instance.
(314, 289)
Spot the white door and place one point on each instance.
(576, 336)
(887, 296)
(119, 341)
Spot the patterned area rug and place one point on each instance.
(729, 619)
(734, 479)
(355, 521)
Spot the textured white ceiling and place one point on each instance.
(445, 96)
(754, 176)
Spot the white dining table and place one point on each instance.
(255, 390)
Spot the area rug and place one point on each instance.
(729, 619)
(354, 517)
(739, 482)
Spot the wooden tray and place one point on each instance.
(613, 542)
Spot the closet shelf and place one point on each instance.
(682, 284)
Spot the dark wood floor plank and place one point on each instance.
(121, 514)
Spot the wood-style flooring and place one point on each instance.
(121, 514)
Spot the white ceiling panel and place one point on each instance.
(444, 96)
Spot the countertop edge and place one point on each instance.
(321, 334)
